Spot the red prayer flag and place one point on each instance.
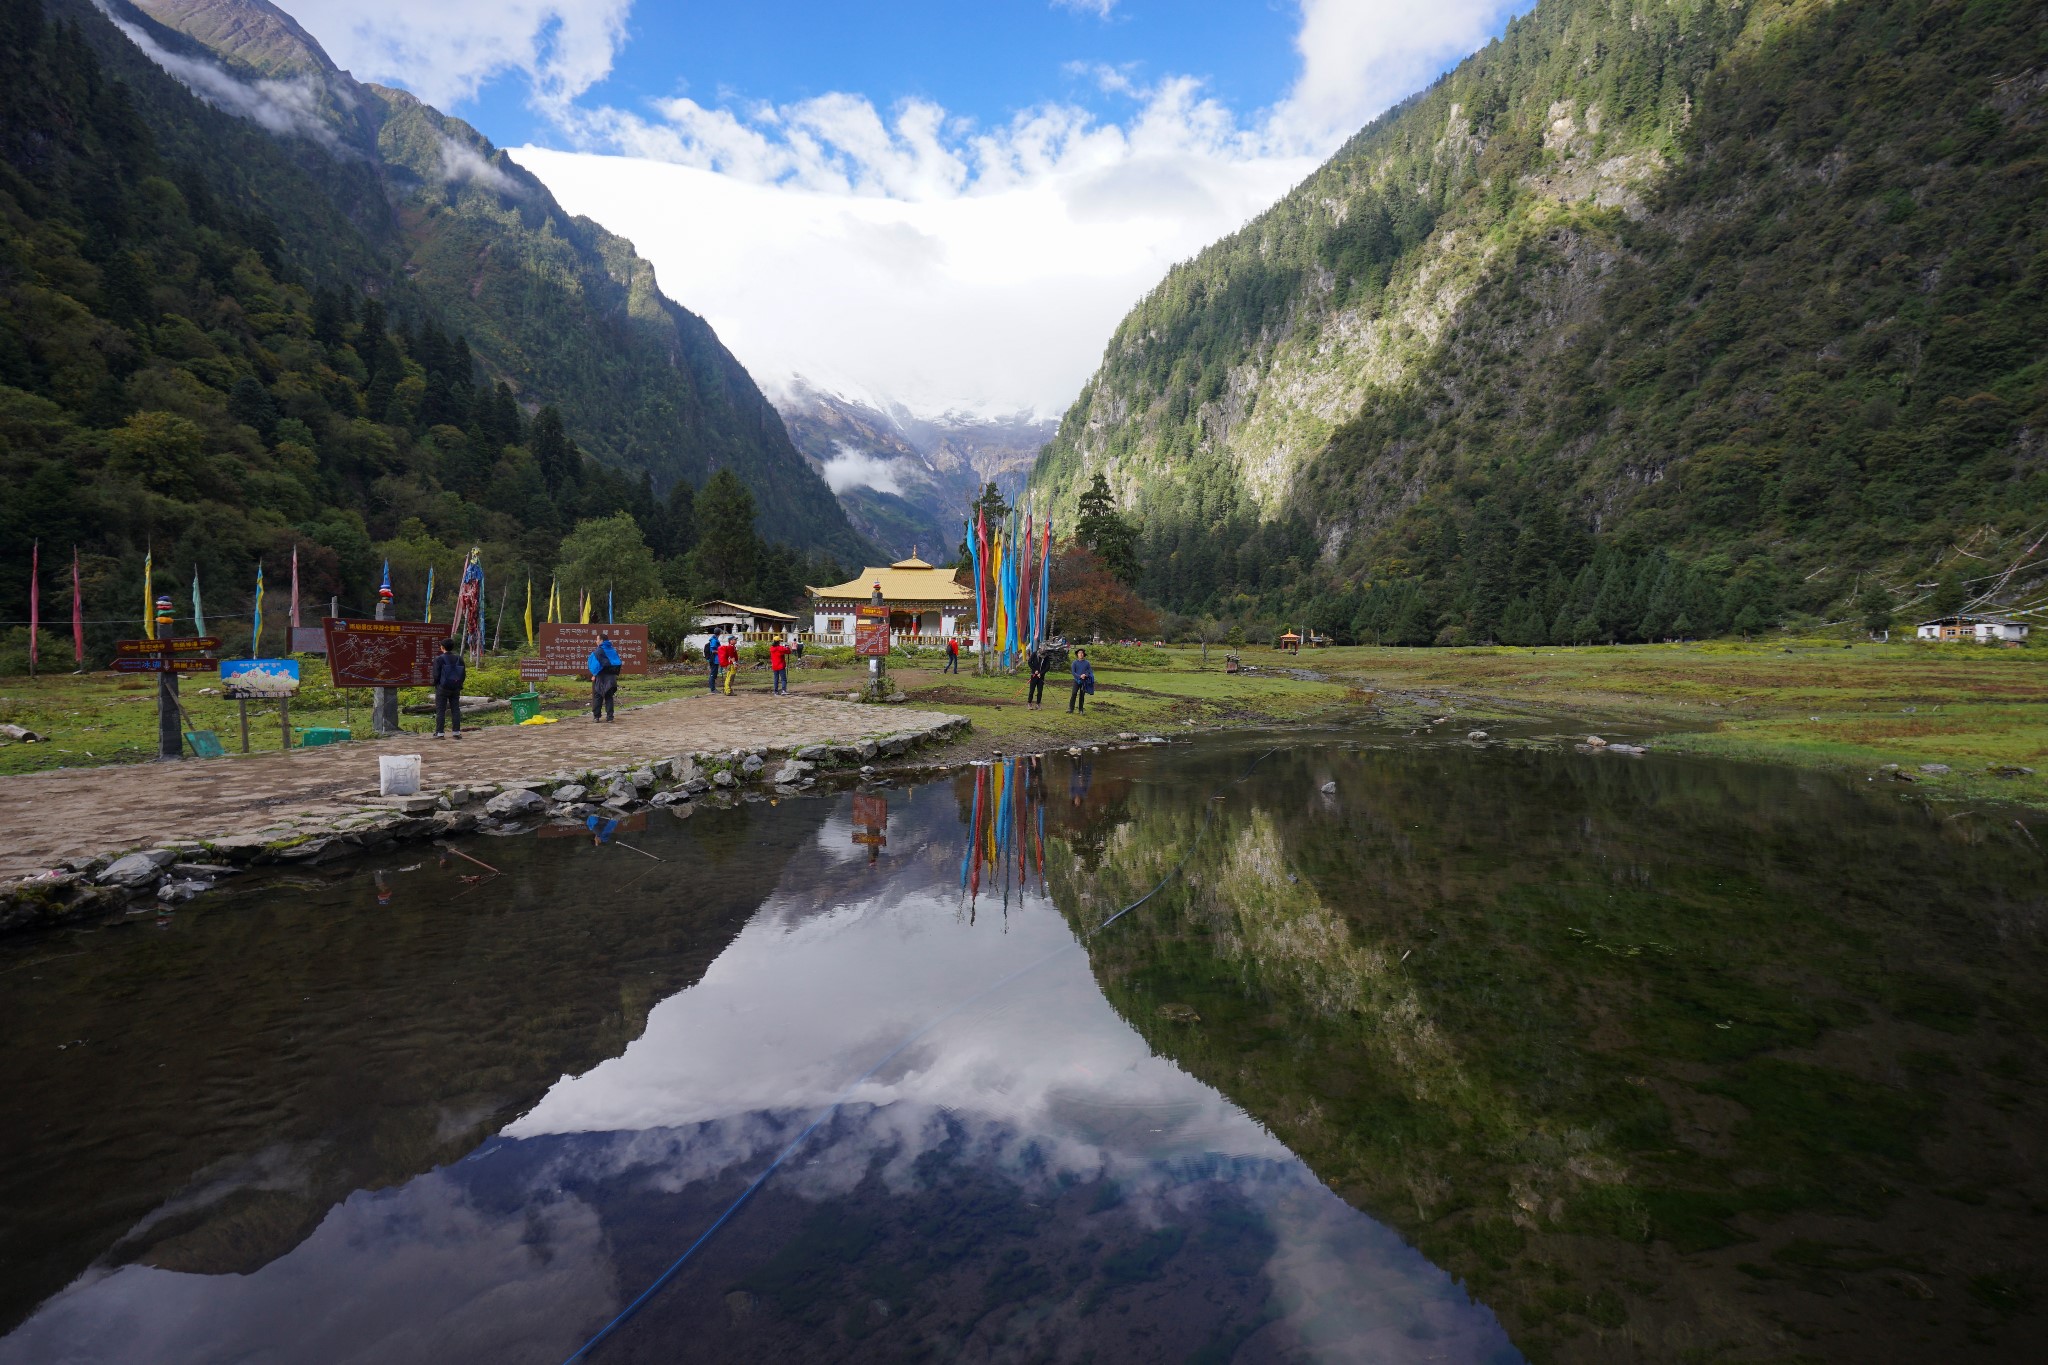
(295, 595)
(35, 612)
(77, 613)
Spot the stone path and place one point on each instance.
(81, 813)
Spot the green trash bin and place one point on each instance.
(317, 735)
(525, 706)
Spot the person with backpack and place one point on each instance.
(778, 667)
(450, 673)
(729, 660)
(952, 655)
(604, 663)
(1084, 682)
(711, 658)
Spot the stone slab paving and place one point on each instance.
(82, 813)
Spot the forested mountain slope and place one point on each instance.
(307, 311)
(1652, 317)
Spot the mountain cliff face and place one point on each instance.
(1649, 318)
(906, 481)
(371, 190)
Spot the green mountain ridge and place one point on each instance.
(1647, 319)
(303, 311)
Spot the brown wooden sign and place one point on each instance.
(565, 648)
(161, 664)
(871, 630)
(382, 653)
(189, 644)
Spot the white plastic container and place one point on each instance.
(398, 774)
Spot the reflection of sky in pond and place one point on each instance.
(1028, 1094)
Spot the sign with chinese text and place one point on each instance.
(565, 648)
(871, 631)
(190, 644)
(382, 653)
(161, 664)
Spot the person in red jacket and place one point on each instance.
(728, 655)
(952, 654)
(778, 666)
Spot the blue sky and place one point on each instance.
(943, 205)
(981, 60)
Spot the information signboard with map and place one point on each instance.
(382, 653)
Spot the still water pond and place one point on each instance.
(1484, 1054)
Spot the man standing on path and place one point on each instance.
(450, 673)
(604, 665)
(711, 659)
(1084, 682)
(778, 666)
(952, 655)
(1038, 661)
(728, 661)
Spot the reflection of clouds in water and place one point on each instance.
(792, 1013)
(420, 1273)
(1026, 1077)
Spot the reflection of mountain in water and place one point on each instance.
(1658, 1056)
(1004, 1170)
(275, 1048)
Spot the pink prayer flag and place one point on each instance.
(77, 612)
(295, 593)
(35, 612)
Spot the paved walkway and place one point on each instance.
(80, 813)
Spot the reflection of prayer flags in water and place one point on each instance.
(256, 626)
(148, 597)
(198, 611)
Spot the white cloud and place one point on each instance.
(287, 108)
(901, 252)
(1360, 56)
(460, 162)
(445, 50)
(852, 467)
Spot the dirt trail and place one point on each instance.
(80, 813)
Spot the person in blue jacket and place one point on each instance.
(1084, 682)
(604, 665)
(711, 658)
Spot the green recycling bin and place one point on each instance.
(525, 706)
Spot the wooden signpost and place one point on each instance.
(167, 658)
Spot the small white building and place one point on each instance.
(926, 606)
(1983, 630)
(737, 618)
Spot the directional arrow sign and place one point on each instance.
(189, 644)
(164, 665)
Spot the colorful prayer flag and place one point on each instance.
(256, 625)
(295, 588)
(148, 596)
(77, 612)
(198, 611)
(529, 610)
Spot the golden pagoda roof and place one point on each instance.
(907, 580)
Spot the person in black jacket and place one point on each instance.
(450, 673)
(1038, 662)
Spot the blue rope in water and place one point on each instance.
(662, 1280)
